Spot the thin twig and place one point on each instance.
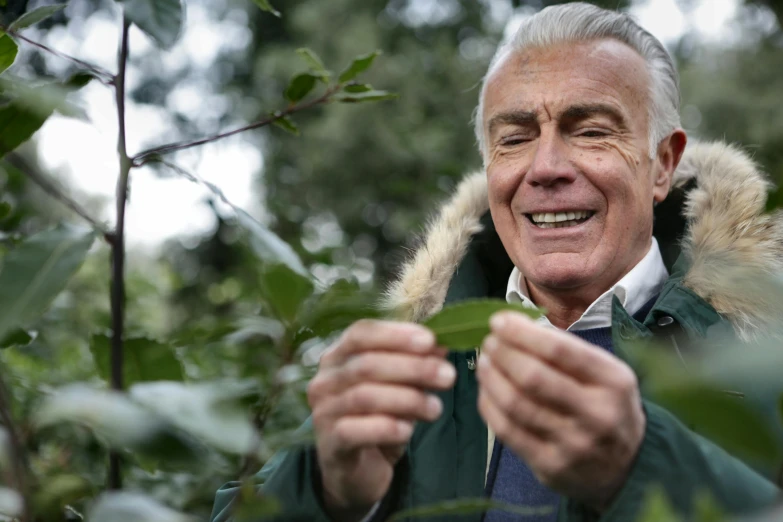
(103, 75)
(118, 246)
(17, 450)
(51, 188)
(148, 155)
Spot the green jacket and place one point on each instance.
(714, 214)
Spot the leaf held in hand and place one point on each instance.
(463, 326)
(358, 66)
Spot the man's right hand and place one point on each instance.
(370, 388)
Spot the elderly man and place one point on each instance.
(579, 129)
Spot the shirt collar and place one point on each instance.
(638, 286)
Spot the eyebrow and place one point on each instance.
(512, 118)
(582, 112)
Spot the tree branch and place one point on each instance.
(118, 246)
(17, 450)
(103, 75)
(51, 188)
(149, 155)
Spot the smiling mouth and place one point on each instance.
(560, 219)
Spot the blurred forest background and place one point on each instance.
(349, 193)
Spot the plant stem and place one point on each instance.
(48, 186)
(150, 154)
(118, 245)
(103, 75)
(17, 450)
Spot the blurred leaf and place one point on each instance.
(39, 102)
(300, 86)
(118, 421)
(57, 492)
(780, 408)
(17, 125)
(252, 506)
(284, 290)
(145, 360)
(10, 502)
(358, 66)
(467, 506)
(338, 307)
(254, 326)
(707, 509)
(365, 96)
(727, 420)
(18, 337)
(268, 247)
(8, 52)
(213, 412)
(463, 326)
(123, 506)
(38, 269)
(357, 87)
(288, 125)
(657, 507)
(775, 199)
(315, 64)
(5, 209)
(35, 16)
(266, 6)
(162, 20)
(200, 333)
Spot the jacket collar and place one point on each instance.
(714, 235)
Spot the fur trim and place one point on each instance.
(729, 240)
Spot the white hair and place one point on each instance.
(581, 22)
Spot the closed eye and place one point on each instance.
(593, 134)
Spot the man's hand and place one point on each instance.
(569, 409)
(369, 389)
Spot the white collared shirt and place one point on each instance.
(638, 286)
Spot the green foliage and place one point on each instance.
(468, 506)
(266, 6)
(358, 66)
(365, 96)
(314, 62)
(161, 19)
(8, 52)
(145, 360)
(300, 86)
(463, 326)
(657, 507)
(285, 290)
(37, 270)
(269, 247)
(17, 337)
(36, 15)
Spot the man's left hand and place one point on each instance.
(569, 409)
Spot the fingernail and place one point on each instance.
(498, 321)
(422, 340)
(446, 374)
(434, 406)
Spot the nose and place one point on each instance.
(551, 164)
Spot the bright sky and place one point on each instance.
(164, 208)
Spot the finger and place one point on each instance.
(372, 398)
(524, 444)
(534, 378)
(425, 372)
(545, 422)
(582, 360)
(374, 335)
(370, 430)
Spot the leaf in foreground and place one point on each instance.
(8, 52)
(469, 506)
(125, 506)
(145, 360)
(358, 66)
(36, 15)
(37, 270)
(264, 5)
(268, 246)
(285, 290)
(162, 20)
(18, 337)
(463, 326)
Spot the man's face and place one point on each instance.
(567, 139)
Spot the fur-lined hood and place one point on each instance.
(714, 216)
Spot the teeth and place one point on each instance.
(559, 217)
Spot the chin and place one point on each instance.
(559, 272)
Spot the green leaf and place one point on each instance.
(8, 52)
(5, 209)
(145, 360)
(723, 418)
(124, 506)
(463, 326)
(252, 506)
(366, 96)
(338, 307)
(285, 291)
(18, 337)
(268, 246)
(357, 87)
(468, 506)
(300, 86)
(57, 492)
(707, 509)
(266, 6)
(35, 16)
(38, 269)
(288, 125)
(314, 62)
(657, 507)
(358, 66)
(162, 20)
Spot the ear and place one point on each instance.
(669, 154)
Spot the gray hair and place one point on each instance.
(580, 22)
